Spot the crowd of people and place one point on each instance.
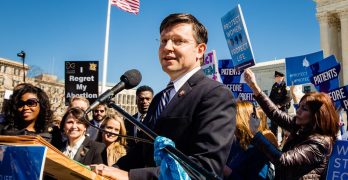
(227, 137)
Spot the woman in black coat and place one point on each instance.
(313, 131)
(78, 146)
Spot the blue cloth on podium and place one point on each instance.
(169, 167)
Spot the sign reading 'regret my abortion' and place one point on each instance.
(81, 79)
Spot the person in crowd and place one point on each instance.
(115, 145)
(144, 95)
(197, 113)
(263, 127)
(78, 146)
(313, 131)
(246, 161)
(296, 94)
(99, 114)
(79, 101)
(29, 114)
(279, 96)
(5, 106)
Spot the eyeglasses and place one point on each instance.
(30, 103)
(98, 111)
(176, 42)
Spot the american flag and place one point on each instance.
(131, 6)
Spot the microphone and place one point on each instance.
(129, 79)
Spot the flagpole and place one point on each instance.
(106, 48)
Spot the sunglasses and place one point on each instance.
(30, 103)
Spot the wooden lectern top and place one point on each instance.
(57, 165)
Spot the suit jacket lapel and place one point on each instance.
(183, 91)
(82, 151)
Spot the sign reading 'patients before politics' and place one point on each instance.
(324, 75)
(338, 163)
(210, 66)
(81, 79)
(296, 67)
(231, 78)
(340, 97)
(237, 38)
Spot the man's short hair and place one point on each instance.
(200, 32)
(75, 98)
(143, 88)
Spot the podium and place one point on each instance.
(57, 165)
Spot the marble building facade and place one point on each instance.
(332, 16)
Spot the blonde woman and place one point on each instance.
(245, 161)
(115, 145)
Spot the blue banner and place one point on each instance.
(324, 75)
(237, 38)
(338, 166)
(296, 72)
(231, 78)
(340, 97)
(22, 162)
(228, 73)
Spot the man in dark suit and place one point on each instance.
(144, 95)
(200, 114)
(280, 96)
(99, 114)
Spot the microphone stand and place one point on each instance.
(178, 155)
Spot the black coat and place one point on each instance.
(200, 119)
(90, 152)
(280, 95)
(305, 154)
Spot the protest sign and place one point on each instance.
(324, 75)
(338, 166)
(237, 38)
(22, 162)
(210, 66)
(228, 73)
(340, 97)
(81, 79)
(231, 78)
(296, 67)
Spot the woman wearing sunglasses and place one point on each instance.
(28, 112)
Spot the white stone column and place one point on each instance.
(329, 34)
(343, 15)
(324, 32)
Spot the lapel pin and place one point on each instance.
(181, 93)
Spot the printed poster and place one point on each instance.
(81, 79)
(22, 162)
(237, 38)
(338, 166)
(210, 66)
(296, 67)
(324, 75)
(231, 78)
